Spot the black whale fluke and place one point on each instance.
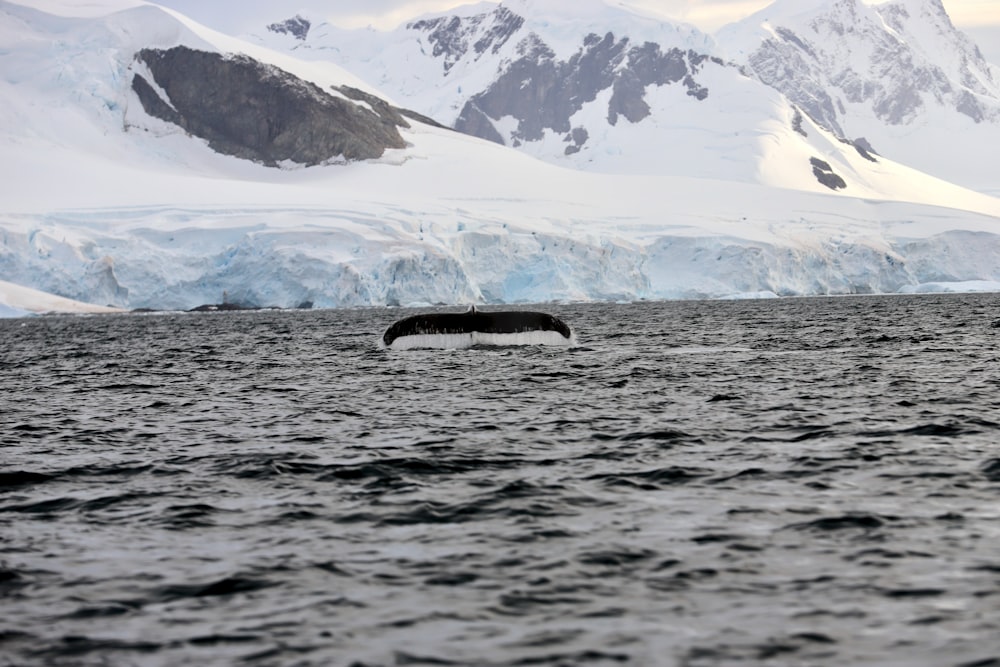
(475, 322)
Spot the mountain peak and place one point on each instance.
(297, 26)
(879, 70)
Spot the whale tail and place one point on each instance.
(474, 327)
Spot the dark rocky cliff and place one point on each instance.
(251, 110)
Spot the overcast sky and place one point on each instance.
(706, 14)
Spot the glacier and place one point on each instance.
(105, 205)
(381, 253)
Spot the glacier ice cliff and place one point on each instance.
(364, 262)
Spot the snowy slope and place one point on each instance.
(18, 301)
(103, 204)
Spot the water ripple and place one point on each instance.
(700, 484)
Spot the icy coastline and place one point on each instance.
(160, 260)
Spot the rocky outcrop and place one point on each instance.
(543, 93)
(258, 112)
(865, 149)
(296, 26)
(825, 175)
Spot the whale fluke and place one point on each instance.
(475, 327)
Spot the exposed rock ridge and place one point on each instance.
(247, 109)
(296, 26)
(543, 93)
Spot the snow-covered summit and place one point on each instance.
(897, 73)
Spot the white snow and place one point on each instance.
(100, 203)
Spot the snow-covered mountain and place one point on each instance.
(120, 186)
(596, 86)
(897, 73)
(586, 85)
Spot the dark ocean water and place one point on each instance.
(785, 482)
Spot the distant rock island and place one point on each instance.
(215, 307)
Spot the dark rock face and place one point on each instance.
(296, 26)
(577, 138)
(543, 93)
(648, 65)
(824, 174)
(258, 112)
(865, 149)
